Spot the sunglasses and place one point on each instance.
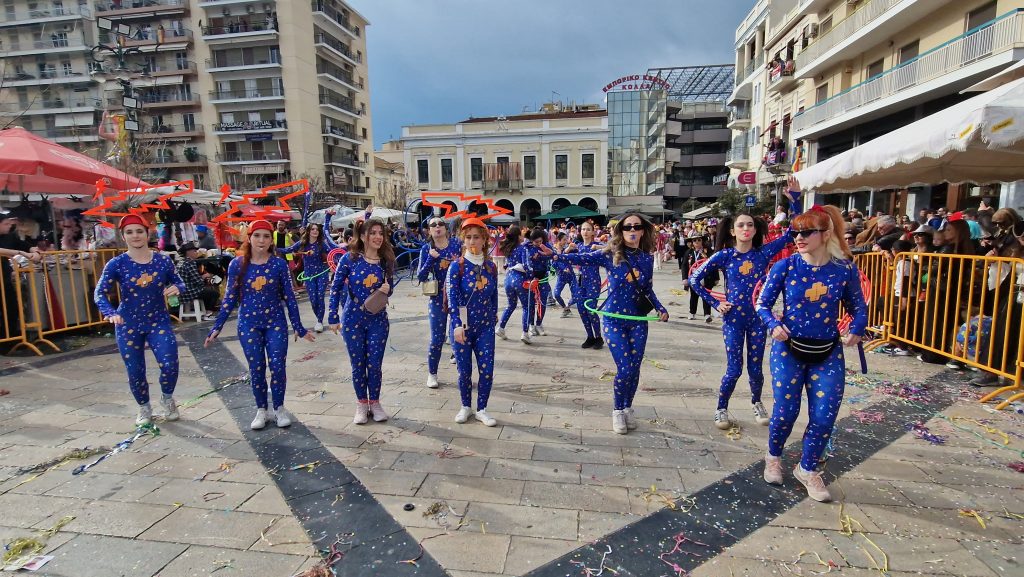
(436, 223)
(806, 233)
(632, 227)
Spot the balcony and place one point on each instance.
(152, 100)
(333, 46)
(754, 65)
(945, 69)
(341, 134)
(256, 157)
(155, 39)
(133, 9)
(255, 94)
(235, 61)
(503, 177)
(172, 161)
(781, 75)
(54, 106)
(175, 69)
(340, 76)
(673, 155)
(170, 132)
(250, 126)
(674, 128)
(46, 77)
(45, 15)
(66, 134)
(241, 30)
(341, 103)
(737, 157)
(739, 116)
(323, 12)
(55, 44)
(346, 162)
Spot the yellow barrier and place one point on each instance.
(12, 319)
(944, 294)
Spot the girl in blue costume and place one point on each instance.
(629, 260)
(261, 284)
(144, 278)
(472, 287)
(368, 266)
(435, 257)
(743, 259)
(565, 277)
(807, 354)
(314, 246)
(589, 287)
(539, 254)
(517, 266)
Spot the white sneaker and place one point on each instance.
(432, 381)
(693, 317)
(145, 415)
(619, 422)
(283, 417)
(533, 331)
(318, 327)
(260, 420)
(566, 313)
(484, 418)
(378, 412)
(362, 413)
(170, 408)
(815, 485)
(540, 330)
(722, 420)
(773, 470)
(500, 333)
(630, 418)
(760, 414)
(451, 359)
(525, 338)
(463, 415)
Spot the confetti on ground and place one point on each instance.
(679, 540)
(20, 547)
(607, 376)
(224, 467)
(1017, 466)
(974, 514)
(307, 466)
(922, 432)
(734, 433)
(657, 364)
(144, 430)
(588, 572)
(308, 356)
(72, 455)
(864, 417)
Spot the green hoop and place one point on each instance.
(586, 305)
(303, 278)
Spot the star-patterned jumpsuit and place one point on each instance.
(145, 318)
(365, 334)
(539, 265)
(589, 287)
(811, 299)
(473, 296)
(262, 329)
(315, 269)
(437, 268)
(742, 271)
(565, 277)
(627, 339)
(514, 289)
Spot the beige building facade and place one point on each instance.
(529, 164)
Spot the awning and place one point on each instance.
(999, 78)
(980, 140)
(698, 213)
(571, 211)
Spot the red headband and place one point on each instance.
(132, 219)
(260, 225)
(818, 208)
(955, 217)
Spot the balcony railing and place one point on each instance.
(1004, 33)
(250, 125)
(55, 42)
(268, 92)
(864, 15)
(49, 12)
(167, 98)
(739, 113)
(339, 73)
(237, 60)
(149, 35)
(49, 74)
(250, 156)
(240, 27)
(780, 69)
(152, 131)
(339, 102)
(749, 69)
(737, 154)
(116, 5)
(83, 132)
(341, 132)
(502, 176)
(333, 43)
(346, 160)
(337, 17)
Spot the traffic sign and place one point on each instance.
(748, 177)
(751, 200)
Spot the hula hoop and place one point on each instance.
(333, 264)
(587, 305)
(303, 278)
(719, 296)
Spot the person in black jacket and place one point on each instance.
(695, 253)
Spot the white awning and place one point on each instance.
(698, 214)
(1004, 76)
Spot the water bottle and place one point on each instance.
(172, 301)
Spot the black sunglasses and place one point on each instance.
(436, 223)
(807, 232)
(631, 227)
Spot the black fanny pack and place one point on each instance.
(811, 351)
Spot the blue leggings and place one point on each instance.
(824, 383)
(260, 345)
(561, 282)
(316, 286)
(438, 326)
(366, 336)
(754, 333)
(627, 341)
(132, 343)
(479, 341)
(591, 321)
(512, 287)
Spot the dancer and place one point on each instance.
(314, 246)
(473, 297)
(629, 261)
(435, 256)
(565, 276)
(517, 282)
(367, 268)
(539, 253)
(144, 279)
(695, 253)
(589, 288)
(743, 259)
(806, 353)
(260, 284)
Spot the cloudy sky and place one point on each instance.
(434, 61)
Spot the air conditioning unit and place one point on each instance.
(811, 30)
(250, 9)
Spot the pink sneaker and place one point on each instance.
(378, 412)
(773, 470)
(362, 413)
(815, 485)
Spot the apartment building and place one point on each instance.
(839, 73)
(528, 163)
(697, 142)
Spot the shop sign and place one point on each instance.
(259, 137)
(748, 177)
(720, 179)
(637, 82)
(247, 125)
(263, 169)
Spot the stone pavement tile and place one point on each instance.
(921, 451)
(339, 438)
(267, 500)
(29, 456)
(631, 476)
(527, 553)
(584, 497)
(29, 510)
(528, 470)
(594, 525)
(126, 462)
(465, 551)
(199, 561)
(104, 410)
(123, 424)
(939, 524)
(107, 486)
(364, 458)
(111, 518)
(184, 467)
(540, 435)
(446, 429)
(400, 440)
(395, 505)
(696, 479)
(388, 482)
(733, 566)
(286, 536)
(93, 439)
(238, 472)
(1002, 558)
(458, 464)
(951, 496)
(473, 489)
(100, 556)
(783, 543)
(812, 515)
(8, 534)
(911, 554)
(638, 438)
(447, 415)
(592, 422)
(696, 458)
(228, 529)
(477, 574)
(40, 436)
(888, 470)
(201, 494)
(542, 522)
(200, 447)
(961, 475)
(25, 484)
(577, 453)
(488, 448)
(863, 491)
(308, 407)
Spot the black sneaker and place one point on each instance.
(598, 343)
(588, 344)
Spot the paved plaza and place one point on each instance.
(921, 471)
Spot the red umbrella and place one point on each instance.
(29, 163)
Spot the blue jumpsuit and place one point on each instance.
(539, 265)
(811, 297)
(627, 339)
(262, 329)
(589, 287)
(365, 334)
(145, 318)
(742, 271)
(315, 269)
(565, 277)
(514, 289)
(437, 268)
(475, 288)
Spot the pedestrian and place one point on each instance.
(313, 246)
(696, 253)
(206, 241)
(806, 352)
(143, 279)
(259, 284)
(366, 277)
(197, 285)
(472, 289)
(436, 255)
(589, 283)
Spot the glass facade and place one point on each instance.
(636, 142)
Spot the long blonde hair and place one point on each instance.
(826, 218)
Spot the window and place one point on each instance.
(909, 51)
(981, 16)
(446, 170)
(561, 166)
(476, 169)
(530, 167)
(825, 26)
(189, 121)
(588, 165)
(821, 94)
(875, 68)
(423, 171)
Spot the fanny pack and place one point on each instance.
(811, 351)
(376, 302)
